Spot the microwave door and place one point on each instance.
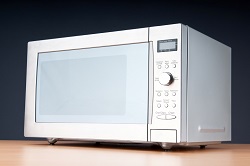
(103, 85)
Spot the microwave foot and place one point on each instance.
(52, 141)
(203, 146)
(165, 146)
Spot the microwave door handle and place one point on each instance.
(150, 81)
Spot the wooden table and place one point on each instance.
(39, 153)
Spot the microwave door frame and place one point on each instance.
(123, 132)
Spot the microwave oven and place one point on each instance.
(167, 85)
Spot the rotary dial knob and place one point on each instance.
(166, 79)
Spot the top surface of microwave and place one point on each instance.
(166, 84)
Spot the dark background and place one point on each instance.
(21, 22)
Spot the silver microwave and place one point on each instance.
(167, 85)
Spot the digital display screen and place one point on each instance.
(167, 45)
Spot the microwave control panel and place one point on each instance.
(166, 77)
(166, 80)
(166, 85)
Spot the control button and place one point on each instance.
(159, 105)
(159, 66)
(166, 66)
(174, 65)
(173, 105)
(166, 93)
(166, 105)
(159, 94)
(166, 117)
(166, 79)
(169, 117)
(163, 117)
(174, 93)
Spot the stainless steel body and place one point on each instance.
(178, 86)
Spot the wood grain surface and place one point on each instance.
(39, 153)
